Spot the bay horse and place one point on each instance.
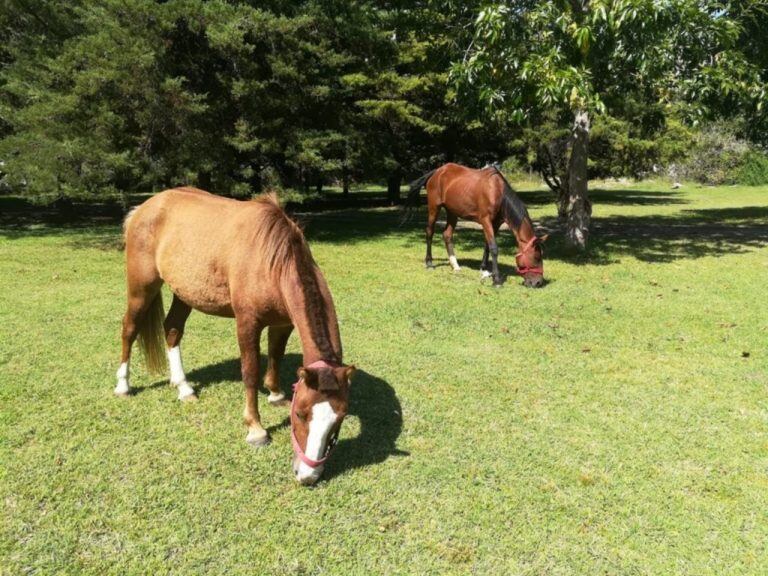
(486, 197)
(249, 261)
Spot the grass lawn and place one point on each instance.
(614, 422)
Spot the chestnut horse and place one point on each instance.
(248, 261)
(486, 197)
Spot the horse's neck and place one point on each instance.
(523, 233)
(313, 315)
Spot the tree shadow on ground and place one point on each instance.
(354, 225)
(607, 196)
(688, 234)
(372, 400)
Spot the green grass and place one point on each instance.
(609, 423)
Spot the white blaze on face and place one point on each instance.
(320, 426)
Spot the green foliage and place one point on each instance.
(544, 55)
(718, 156)
(620, 148)
(103, 98)
(754, 169)
(138, 95)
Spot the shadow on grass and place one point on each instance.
(689, 233)
(617, 197)
(372, 400)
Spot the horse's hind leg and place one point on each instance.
(141, 299)
(277, 337)
(433, 211)
(174, 330)
(450, 226)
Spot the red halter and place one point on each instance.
(523, 270)
(296, 447)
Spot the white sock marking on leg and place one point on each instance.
(122, 379)
(177, 370)
(454, 262)
(276, 397)
(485, 274)
(178, 378)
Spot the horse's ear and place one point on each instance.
(349, 372)
(303, 374)
(543, 238)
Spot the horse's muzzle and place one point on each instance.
(305, 475)
(533, 281)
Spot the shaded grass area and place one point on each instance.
(614, 422)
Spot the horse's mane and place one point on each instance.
(514, 208)
(282, 241)
(279, 238)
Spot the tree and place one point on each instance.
(582, 57)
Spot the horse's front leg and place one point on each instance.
(277, 336)
(484, 271)
(490, 239)
(248, 336)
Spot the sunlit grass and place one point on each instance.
(613, 422)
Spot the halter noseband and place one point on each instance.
(523, 270)
(296, 447)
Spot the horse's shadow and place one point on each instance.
(372, 400)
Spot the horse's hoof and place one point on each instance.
(429, 266)
(278, 400)
(189, 398)
(485, 274)
(497, 284)
(258, 439)
(123, 394)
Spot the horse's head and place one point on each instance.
(319, 405)
(530, 262)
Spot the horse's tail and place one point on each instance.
(414, 188)
(515, 212)
(152, 336)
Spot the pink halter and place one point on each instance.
(296, 447)
(523, 270)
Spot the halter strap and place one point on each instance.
(294, 442)
(523, 270)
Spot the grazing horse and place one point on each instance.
(486, 197)
(248, 261)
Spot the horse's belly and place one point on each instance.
(202, 289)
(209, 303)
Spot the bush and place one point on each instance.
(717, 155)
(754, 170)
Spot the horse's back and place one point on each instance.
(467, 192)
(192, 238)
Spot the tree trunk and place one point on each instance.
(393, 187)
(579, 207)
(204, 180)
(345, 182)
